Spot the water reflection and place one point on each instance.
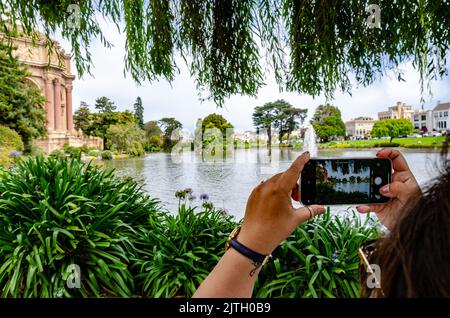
(229, 182)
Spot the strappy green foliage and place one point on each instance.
(58, 212)
(320, 259)
(176, 256)
(54, 213)
(313, 47)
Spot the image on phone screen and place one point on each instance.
(344, 181)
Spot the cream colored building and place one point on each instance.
(359, 127)
(400, 110)
(55, 80)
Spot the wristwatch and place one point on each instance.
(257, 258)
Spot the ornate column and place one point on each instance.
(69, 114)
(49, 107)
(57, 103)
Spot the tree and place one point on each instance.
(21, 103)
(152, 135)
(97, 124)
(139, 112)
(128, 138)
(82, 117)
(169, 125)
(102, 121)
(105, 105)
(280, 115)
(219, 122)
(327, 122)
(263, 118)
(392, 128)
(313, 48)
(295, 117)
(151, 128)
(287, 118)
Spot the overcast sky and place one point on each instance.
(180, 99)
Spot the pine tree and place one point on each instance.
(21, 103)
(105, 105)
(82, 118)
(139, 112)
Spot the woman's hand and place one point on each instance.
(270, 216)
(403, 188)
(269, 219)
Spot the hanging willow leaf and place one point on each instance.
(313, 47)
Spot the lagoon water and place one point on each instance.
(229, 182)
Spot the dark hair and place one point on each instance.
(414, 258)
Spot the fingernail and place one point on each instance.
(362, 208)
(321, 209)
(306, 152)
(378, 152)
(385, 188)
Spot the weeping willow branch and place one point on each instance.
(313, 46)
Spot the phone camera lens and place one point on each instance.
(378, 164)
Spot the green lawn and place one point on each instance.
(425, 142)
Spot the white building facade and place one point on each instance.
(441, 119)
(422, 120)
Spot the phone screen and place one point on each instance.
(344, 181)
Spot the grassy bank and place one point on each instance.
(425, 142)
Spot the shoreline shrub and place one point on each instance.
(58, 154)
(95, 153)
(126, 138)
(73, 152)
(387, 144)
(107, 155)
(10, 141)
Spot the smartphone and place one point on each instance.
(345, 181)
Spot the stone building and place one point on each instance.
(400, 110)
(55, 80)
(359, 127)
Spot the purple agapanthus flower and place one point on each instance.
(15, 154)
(335, 257)
(204, 196)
